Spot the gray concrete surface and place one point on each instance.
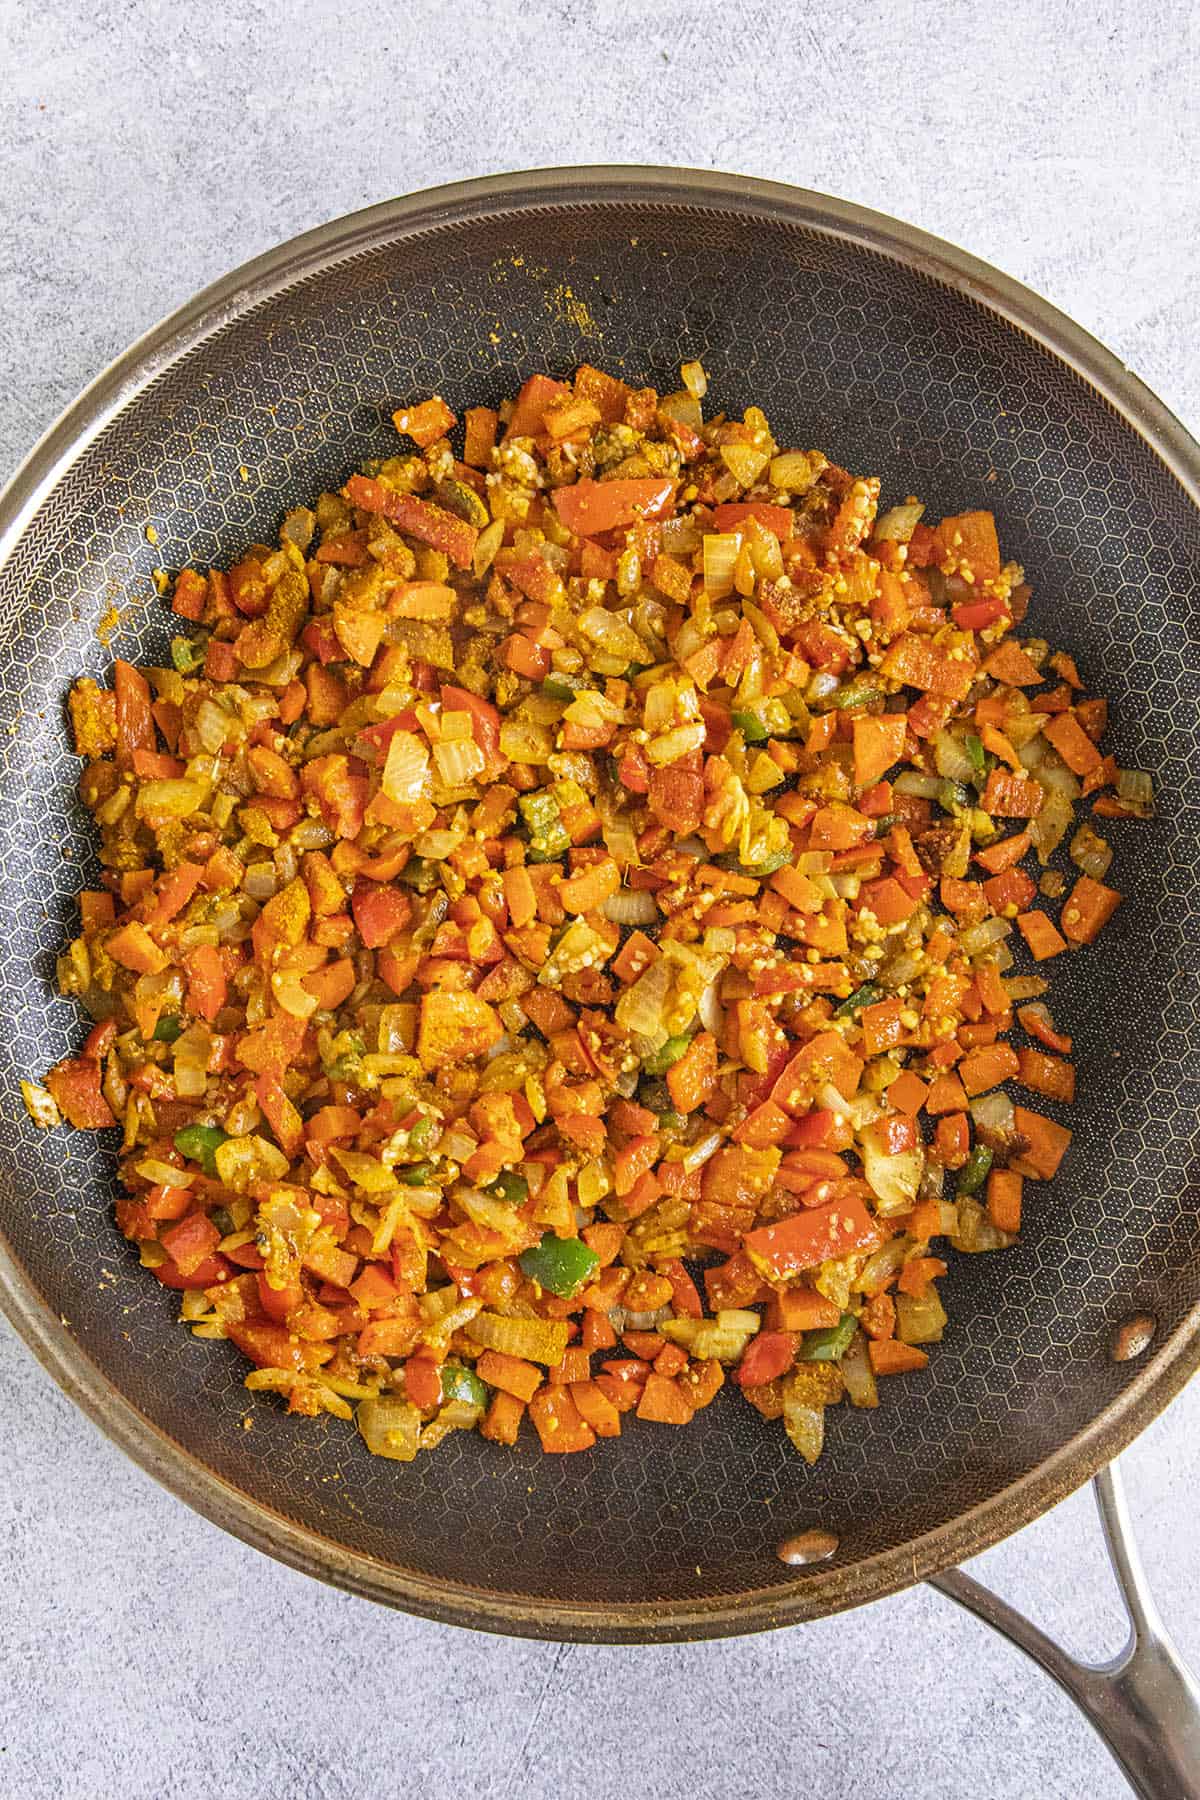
(148, 147)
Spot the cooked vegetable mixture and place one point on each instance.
(555, 949)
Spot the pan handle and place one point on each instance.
(1145, 1703)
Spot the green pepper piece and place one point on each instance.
(200, 1143)
(422, 1134)
(671, 1120)
(974, 1171)
(561, 687)
(866, 995)
(511, 1188)
(169, 1027)
(548, 836)
(416, 1174)
(561, 1265)
(659, 1061)
(418, 873)
(463, 1384)
(751, 727)
(952, 796)
(855, 693)
(974, 749)
(187, 654)
(829, 1345)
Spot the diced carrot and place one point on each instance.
(426, 422)
(1088, 908)
(1012, 665)
(768, 1354)
(596, 1409)
(882, 1027)
(481, 426)
(1004, 1199)
(1005, 853)
(890, 1357)
(509, 1373)
(558, 1423)
(878, 743)
(1012, 887)
(907, 1093)
(502, 1421)
(1011, 796)
(591, 887)
(1072, 743)
(987, 1067)
(1041, 934)
(953, 1139)
(946, 1094)
(663, 1403)
(801, 1309)
(692, 1079)
(1047, 1144)
(1047, 1075)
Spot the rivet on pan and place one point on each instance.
(807, 1547)
(1133, 1336)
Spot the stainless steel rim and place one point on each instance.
(816, 1592)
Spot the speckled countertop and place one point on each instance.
(148, 149)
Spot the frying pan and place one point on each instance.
(899, 355)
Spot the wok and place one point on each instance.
(899, 355)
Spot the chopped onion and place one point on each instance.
(1135, 790)
(893, 1180)
(922, 787)
(721, 550)
(994, 1113)
(951, 758)
(700, 1152)
(1090, 852)
(1051, 825)
(632, 906)
(260, 881)
(405, 777)
(975, 939)
(898, 523)
(459, 761)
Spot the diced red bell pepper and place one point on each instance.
(769, 1354)
(589, 508)
(433, 525)
(75, 1086)
(191, 1242)
(805, 1239)
(380, 913)
(777, 519)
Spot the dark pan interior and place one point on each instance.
(889, 370)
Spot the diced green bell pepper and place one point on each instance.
(829, 1345)
(974, 1171)
(463, 1384)
(548, 836)
(974, 749)
(418, 873)
(561, 687)
(416, 1174)
(200, 1143)
(866, 995)
(169, 1027)
(511, 1188)
(187, 654)
(751, 727)
(659, 1061)
(561, 1265)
